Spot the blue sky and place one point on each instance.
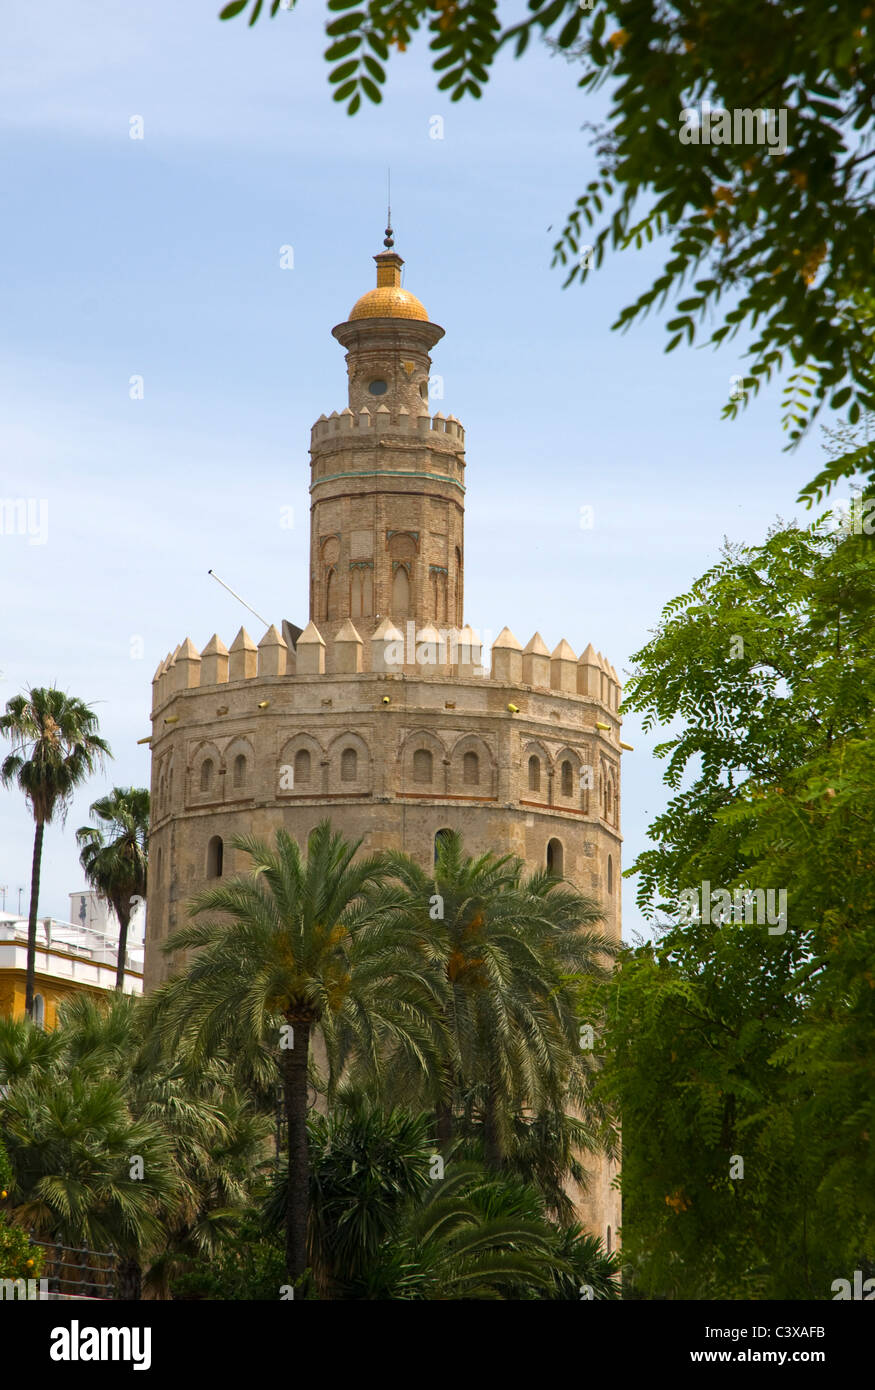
(160, 257)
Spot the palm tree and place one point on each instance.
(205, 1143)
(114, 856)
(473, 1236)
(307, 946)
(217, 1141)
(55, 746)
(71, 1139)
(384, 1224)
(367, 1164)
(512, 952)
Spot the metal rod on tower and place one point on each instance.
(237, 597)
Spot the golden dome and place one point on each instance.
(388, 302)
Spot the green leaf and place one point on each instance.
(345, 70)
(374, 68)
(345, 24)
(343, 47)
(233, 9)
(569, 33)
(346, 90)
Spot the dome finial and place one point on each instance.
(389, 238)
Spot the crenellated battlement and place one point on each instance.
(423, 653)
(368, 422)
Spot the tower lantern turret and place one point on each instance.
(388, 338)
(387, 479)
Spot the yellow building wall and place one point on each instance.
(54, 993)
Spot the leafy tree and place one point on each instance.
(55, 746)
(114, 855)
(247, 1266)
(730, 1040)
(303, 944)
(18, 1258)
(782, 228)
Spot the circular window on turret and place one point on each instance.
(378, 388)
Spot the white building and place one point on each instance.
(90, 910)
(69, 959)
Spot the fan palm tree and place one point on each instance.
(470, 1236)
(205, 1144)
(55, 746)
(305, 946)
(216, 1140)
(71, 1140)
(114, 855)
(512, 952)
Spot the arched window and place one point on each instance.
(422, 765)
(331, 594)
(215, 856)
(608, 1245)
(159, 864)
(610, 874)
(302, 768)
(608, 798)
(360, 592)
(400, 593)
(534, 774)
(240, 771)
(206, 774)
(39, 1011)
(348, 765)
(471, 770)
(555, 858)
(567, 779)
(439, 837)
(439, 595)
(355, 594)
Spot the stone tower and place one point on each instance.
(383, 715)
(388, 489)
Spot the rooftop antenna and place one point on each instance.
(237, 597)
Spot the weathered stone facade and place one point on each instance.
(381, 716)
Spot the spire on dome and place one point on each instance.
(389, 239)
